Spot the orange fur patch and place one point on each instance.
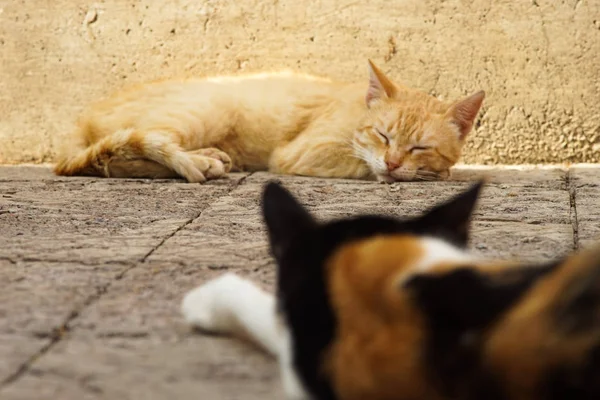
(377, 349)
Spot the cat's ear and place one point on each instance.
(465, 299)
(452, 220)
(464, 112)
(284, 217)
(380, 86)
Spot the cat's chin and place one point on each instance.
(386, 179)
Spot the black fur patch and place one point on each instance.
(579, 308)
(460, 305)
(580, 382)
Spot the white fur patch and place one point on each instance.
(234, 306)
(438, 251)
(292, 386)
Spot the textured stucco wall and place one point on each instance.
(538, 60)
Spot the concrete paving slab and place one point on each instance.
(91, 220)
(196, 367)
(37, 297)
(37, 301)
(63, 242)
(527, 242)
(17, 351)
(512, 174)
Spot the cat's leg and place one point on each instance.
(121, 168)
(316, 152)
(128, 145)
(234, 306)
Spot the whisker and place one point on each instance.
(426, 178)
(358, 157)
(360, 152)
(348, 141)
(430, 173)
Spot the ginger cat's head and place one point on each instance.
(410, 135)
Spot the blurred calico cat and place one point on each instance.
(376, 308)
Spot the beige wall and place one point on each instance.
(538, 60)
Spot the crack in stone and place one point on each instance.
(55, 336)
(573, 210)
(123, 335)
(186, 223)
(58, 333)
(530, 222)
(10, 260)
(86, 263)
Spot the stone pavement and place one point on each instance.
(92, 271)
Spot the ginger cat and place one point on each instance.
(287, 123)
(380, 308)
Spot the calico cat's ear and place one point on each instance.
(380, 86)
(464, 112)
(452, 220)
(284, 217)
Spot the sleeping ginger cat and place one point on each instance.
(200, 129)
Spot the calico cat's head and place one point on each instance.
(318, 291)
(381, 308)
(409, 134)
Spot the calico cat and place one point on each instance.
(378, 308)
(287, 123)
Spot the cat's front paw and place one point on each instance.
(209, 307)
(210, 168)
(216, 154)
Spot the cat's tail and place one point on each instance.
(131, 154)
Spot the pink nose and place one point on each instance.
(391, 165)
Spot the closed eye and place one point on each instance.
(384, 136)
(419, 148)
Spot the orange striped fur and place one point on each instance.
(288, 123)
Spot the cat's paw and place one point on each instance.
(209, 307)
(211, 168)
(193, 175)
(217, 155)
